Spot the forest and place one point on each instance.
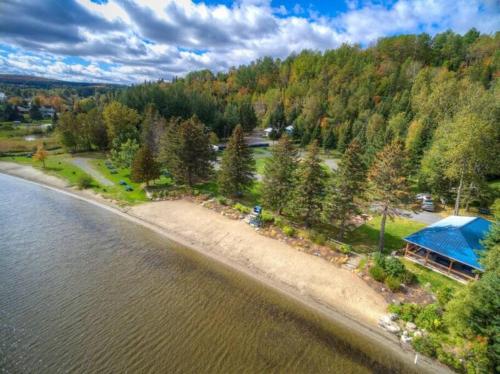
(439, 96)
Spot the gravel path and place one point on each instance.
(84, 164)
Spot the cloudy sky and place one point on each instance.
(128, 41)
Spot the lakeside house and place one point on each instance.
(451, 247)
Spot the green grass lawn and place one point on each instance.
(57, 165)
(118, 191)
(364, 239)
(435, 280)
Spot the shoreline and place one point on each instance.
(360, 326)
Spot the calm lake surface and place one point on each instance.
(83, 290)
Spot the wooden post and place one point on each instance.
(406, 249)
(449, 267)
(427, 257)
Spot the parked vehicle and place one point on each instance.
(428, 206)
(423, 196)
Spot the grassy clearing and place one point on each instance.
(118, 191)
(364, 239)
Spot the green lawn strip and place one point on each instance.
(428, 277)
(364, 239)
(57, 165)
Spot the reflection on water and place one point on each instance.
(82, 290)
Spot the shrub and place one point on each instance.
(407, 312)
(317, 237)
(394, 267)
(222, 200)
(278, 221)
(392, 283)
(362, 263)
(377, 273)
(345, 248)
(408, 278)
(430, 318)
(288, 231)
(379, 260)
(84, 181)
(266, 217)
(426, 345)
(242, 208)
(444, 295)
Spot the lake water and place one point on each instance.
(85, 291)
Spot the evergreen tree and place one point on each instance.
(346, 189)
(237, 166)
(389, 185)
(307, 198)
(186, 150)
(144, 167)
(278, 179)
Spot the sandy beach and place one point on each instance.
(336, 292)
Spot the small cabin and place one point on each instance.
(451, 247)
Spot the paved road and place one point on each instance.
(422, 216)
(84, 164)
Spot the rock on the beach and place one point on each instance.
(410, 326)
(388, 324)
(405, 338)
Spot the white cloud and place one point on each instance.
(132, 40)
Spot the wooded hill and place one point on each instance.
(413, 88)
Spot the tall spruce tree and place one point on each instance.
(186, 150)
(307, 198)
(388, 183)
(347, 187)
(144, 167)
(237, 166)
(278, 179)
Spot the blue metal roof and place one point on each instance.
(458, 238)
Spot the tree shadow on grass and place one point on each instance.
(365, 239)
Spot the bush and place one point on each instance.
(392, 283)
(379, 260)
(266, 217)
(222, 200)
(426, 345)
(377, 273)
(430, 318)
(408, 278)
(242, 208)
(288, 231)
(84, 181)
(394, 267)
(317, 237)
(444, 295)
(278, 221)
(407, 312)
(345, 248)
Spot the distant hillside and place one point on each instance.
(47, 83)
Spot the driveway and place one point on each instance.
(422, 216)
(84, 164)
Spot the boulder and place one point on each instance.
(410, 326)
(405, 339)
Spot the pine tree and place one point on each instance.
(237, 166)
(144, 167)
(346, 189)
(186, 151)
(388, 182)
(278, 179)
(307, 198)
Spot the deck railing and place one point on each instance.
(445, 270)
